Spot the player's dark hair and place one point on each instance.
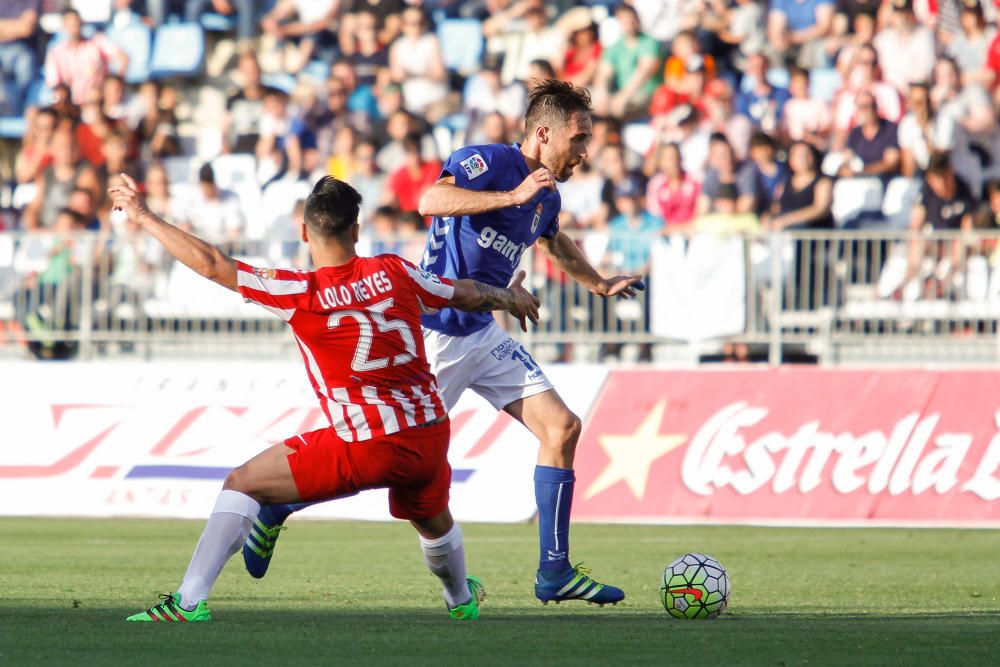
(332, 208)
(552, 102)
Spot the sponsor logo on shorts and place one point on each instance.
(504, 349)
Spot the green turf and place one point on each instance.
(354, 593)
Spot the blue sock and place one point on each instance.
(554, 496)
(282, 512)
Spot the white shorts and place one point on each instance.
(489, 362)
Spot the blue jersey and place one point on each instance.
(486, 247)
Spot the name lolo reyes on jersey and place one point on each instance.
(361, 290)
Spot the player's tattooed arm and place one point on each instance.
(568, 256)
(200, 256)
(474, 296)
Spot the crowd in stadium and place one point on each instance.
(708, 113)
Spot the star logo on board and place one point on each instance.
(631, 456)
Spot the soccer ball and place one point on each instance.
(695, 586)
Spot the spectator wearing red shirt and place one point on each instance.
(410, 181)
(688, 90)
(36, 153)
(582, 56)
(672, 194)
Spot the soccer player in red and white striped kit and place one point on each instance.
(356, 321)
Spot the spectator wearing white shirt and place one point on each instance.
(212, 212)
(905, 48)
(970, 46)
(922, 132)
(302, 29)
(416, 63)
(805, 118)
(487, 94)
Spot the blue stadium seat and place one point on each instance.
(38, 95)
(824, 83)
(778, 77)
(136, 40)
(178, 50)
(461, 44)
(12, 127)
(213, 22)
(283, 82)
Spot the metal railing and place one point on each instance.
(835, 296)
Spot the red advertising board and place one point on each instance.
(793, 446)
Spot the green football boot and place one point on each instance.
(170, 611)
(470, 610)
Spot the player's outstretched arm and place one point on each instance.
(565, 253)
(201, 257)
(474, 296)
(444, 199)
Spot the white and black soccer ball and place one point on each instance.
(695, 586)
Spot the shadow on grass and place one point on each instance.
(100, 636)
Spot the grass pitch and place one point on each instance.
(356, 593)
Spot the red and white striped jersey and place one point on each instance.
(358, 328)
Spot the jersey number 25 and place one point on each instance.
(375, 314)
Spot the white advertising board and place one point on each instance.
(142, 439)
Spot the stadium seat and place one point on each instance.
(461, 44)
(23, 195)
(213, 22)
(178, 51)
(777, 77)
(319, 70)
(824, 83)
(283, 82)
(278, 202)
(180, 169)
(234, 169)
(93, 11)
(12, 127)
(899, 197)
(39, 94)
(609, 31)
(638, 137)
(854, 196)
(136, 40)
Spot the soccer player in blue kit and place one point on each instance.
(489, 206)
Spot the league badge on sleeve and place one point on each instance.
(474, 166)
(266, 274)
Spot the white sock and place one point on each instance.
(226, 530)
(445, 557)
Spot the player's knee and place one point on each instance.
(564, 432)
(237, 480)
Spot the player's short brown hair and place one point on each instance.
(332, 207)
(551, 102)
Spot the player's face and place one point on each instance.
(568, 145)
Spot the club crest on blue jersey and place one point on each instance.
(474, 166)
(538, 216)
